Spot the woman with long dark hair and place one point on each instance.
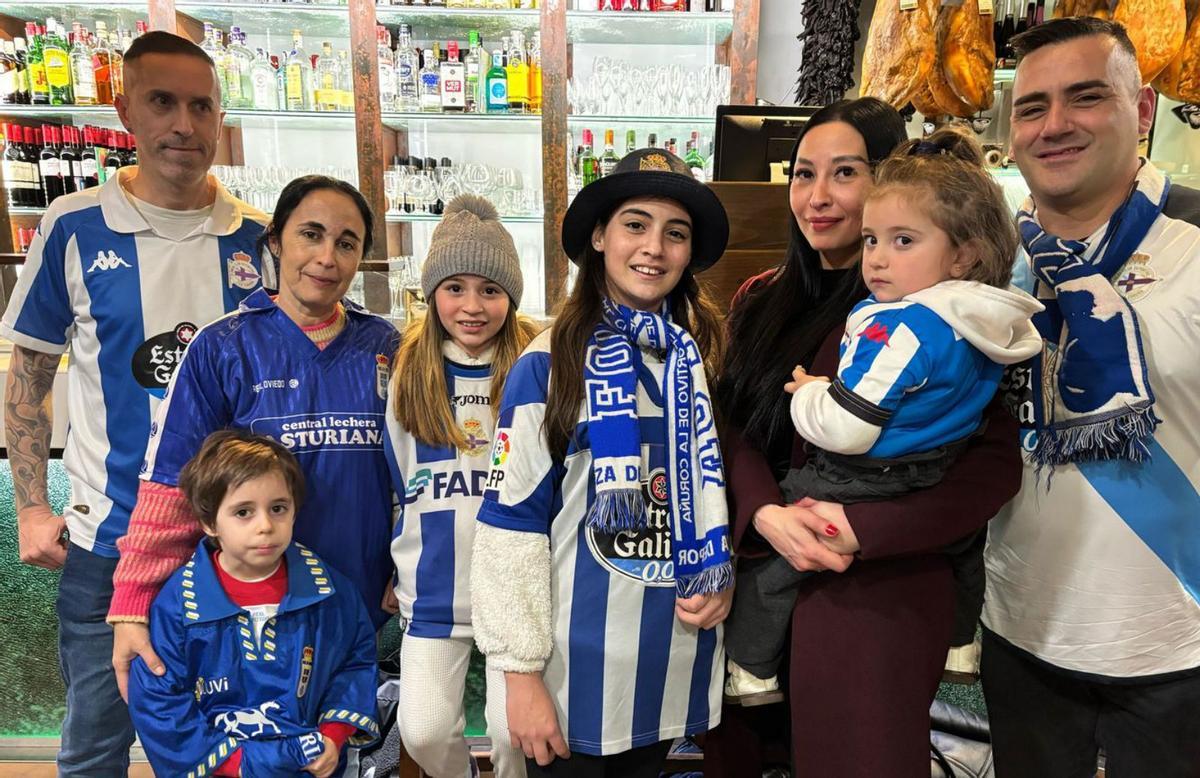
(869, 637)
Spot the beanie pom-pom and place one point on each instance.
(480, 206)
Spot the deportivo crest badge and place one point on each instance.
(306, 665)
(477, 442)
(241, 271)
(654, 162)
(1137, 278)
(382, 373)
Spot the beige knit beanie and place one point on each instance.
(470, 240)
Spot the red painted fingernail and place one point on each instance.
(831, 530)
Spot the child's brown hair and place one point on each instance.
(946, 173)
(226, 460)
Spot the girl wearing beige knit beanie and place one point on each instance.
(447, 380)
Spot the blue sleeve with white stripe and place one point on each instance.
(40, 315)
(523, 481)
(883, 359)
(196, 404)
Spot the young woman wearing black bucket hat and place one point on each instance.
(601, 566)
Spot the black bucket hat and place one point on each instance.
(650, 173)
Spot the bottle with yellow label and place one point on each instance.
(39, 87)
(57, 59)
(297, 76)
(535, 73)
(517, 71)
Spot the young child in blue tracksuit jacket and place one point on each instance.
(269, 654)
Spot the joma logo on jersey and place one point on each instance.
(107, 260)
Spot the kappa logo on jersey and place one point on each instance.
(154, 362)
(324, 431)
(306, 665)
(248, 722)
(645, 554)
(107, 260)
(241, 271)
(477, 442)
(876, 333)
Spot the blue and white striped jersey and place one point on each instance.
(126, 302)
(256, 370)
(440, 490)
(624, 672)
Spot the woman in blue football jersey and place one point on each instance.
(303, 366)
(601, 566)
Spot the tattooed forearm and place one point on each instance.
(28, 423)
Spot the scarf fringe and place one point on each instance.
(617, 510)
(708, 581)
(1123, 436)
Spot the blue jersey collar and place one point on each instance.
(309, 581)
(260, 300)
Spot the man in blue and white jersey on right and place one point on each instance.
(1092, 613)
(121, 276)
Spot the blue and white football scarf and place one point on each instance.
(1101, 405)
(695, 474)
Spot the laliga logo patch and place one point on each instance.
(154, 361)
(500, 450)
(241, 272)
(476, 442)
(306, 665)
(643, 555)
(382, 373)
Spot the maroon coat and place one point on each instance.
(868, 645)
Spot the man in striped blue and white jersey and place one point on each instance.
(1092, 612)
(122, 276)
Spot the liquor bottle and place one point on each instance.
(117, 71)
(50, 164)
(32, 148)
(39, 87)
(238, 61)
(535, 73)
(10, 92)
(103, 61)
(497, 85)
(264, 94)
(327, 80)
(672, 146)
(86, 92)
(1030, 14)
(453, 74)
(609, 159)
(58, 65)
(131, 156)
(589, 166)
(652, 141)
(113, 159)
(998, 33)
(68, 159)
(212, 47)
(431, 82)
(1039, 13)
(471, 63)
(408, 67)
(297, 76)
(22, 76)
(517, 70)
(13, 165)
(693, 159)
(87, 159)
(387, 69)
(1009, 30)
(345, 81)
(630, 141)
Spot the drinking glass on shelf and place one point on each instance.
(391, 189)
(477, 178)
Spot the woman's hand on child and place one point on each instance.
(324, 765)
(785, 528)
(131, 639)
(704, 610)
(532, 721)
(828, 521)
(390, 603)
(800, 377)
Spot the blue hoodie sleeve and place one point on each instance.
(349, 696)
(175, 734)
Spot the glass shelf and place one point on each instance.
(668, 121)
(88, 114)
(127, 12)
(315, 20)
(506, 123)
(417, 218)
(26, 211)
(674, 28)
(254, 119)
(438, 23)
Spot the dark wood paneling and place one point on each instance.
(725, 277)
(554, 146)
(758, 213)
(368, 130)
(743, 59)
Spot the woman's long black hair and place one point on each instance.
(783, 322)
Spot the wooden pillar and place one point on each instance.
(743, 55)
(368, 131)
(554, 146)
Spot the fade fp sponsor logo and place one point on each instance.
(644, 554)
(154, 362)
(327, 431)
